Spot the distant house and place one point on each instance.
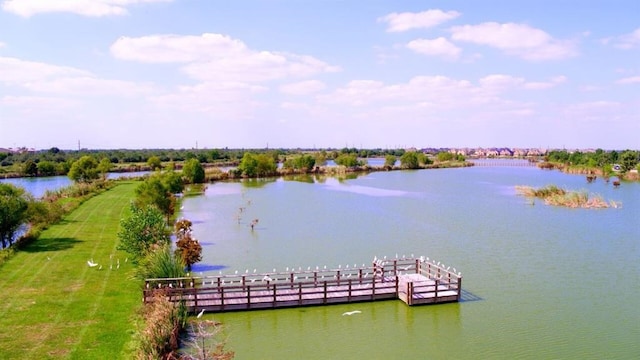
(505, 152)
(520, 153)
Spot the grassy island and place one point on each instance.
(553, 195)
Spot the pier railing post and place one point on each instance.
(459, 288)
(249, 297)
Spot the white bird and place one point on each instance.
(91, 263)
(48, 258)
(100, 268)
(349, 313)
(200, 314)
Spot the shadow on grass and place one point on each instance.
(50, 244)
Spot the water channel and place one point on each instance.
(540, 282)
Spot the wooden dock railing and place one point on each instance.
(413, 280)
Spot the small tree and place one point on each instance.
(84, 170)
(143, 230)
(104, 167)
(154, 163)
(389, 161)
(188, 248)
(193, 172)
(153, 191)
(410, 160)
(14, 203)
(46, 168)
(30, 168)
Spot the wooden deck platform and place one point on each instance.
(415, 281)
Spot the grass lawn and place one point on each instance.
(53, 305)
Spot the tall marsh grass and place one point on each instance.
(553, 195)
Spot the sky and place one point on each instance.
(109, 74)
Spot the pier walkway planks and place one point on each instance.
(414, 281)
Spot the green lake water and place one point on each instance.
(540, 282)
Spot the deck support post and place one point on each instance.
(324, 300)
(222, 298)
(436, 293)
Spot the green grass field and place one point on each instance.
(53, 305)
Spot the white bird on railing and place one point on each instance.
(267, 278)
(200, 314)
(349, 313)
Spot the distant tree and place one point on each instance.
(104, 167)
(629, 160)
(30, 168)
(154, 163)
(305, 163)
(321, 158)
(410, 160)
(253, 165)
(143, 230)
(389, 161)
(154, 192)
(173, 182)
(347, 159)
(47, 168)
(445, 156)
(193, 172)
(14, 203)
(84, 169)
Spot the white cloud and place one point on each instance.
(436, 47)
(222, 99)
(515, 39)
(501, 82)
(14, 70)
(303, 87)
(628, 41)
(629, 80)
(398, 22)
(46, 78)
(93, 8)
(2, 44)
(170, 48)
(216, 57)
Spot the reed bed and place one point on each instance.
(553, 195)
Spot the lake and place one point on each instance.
(540, 282)
(38, 186)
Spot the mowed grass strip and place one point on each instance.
(53, 305)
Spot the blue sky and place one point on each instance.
(173, 73)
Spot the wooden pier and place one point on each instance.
(415, 281)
